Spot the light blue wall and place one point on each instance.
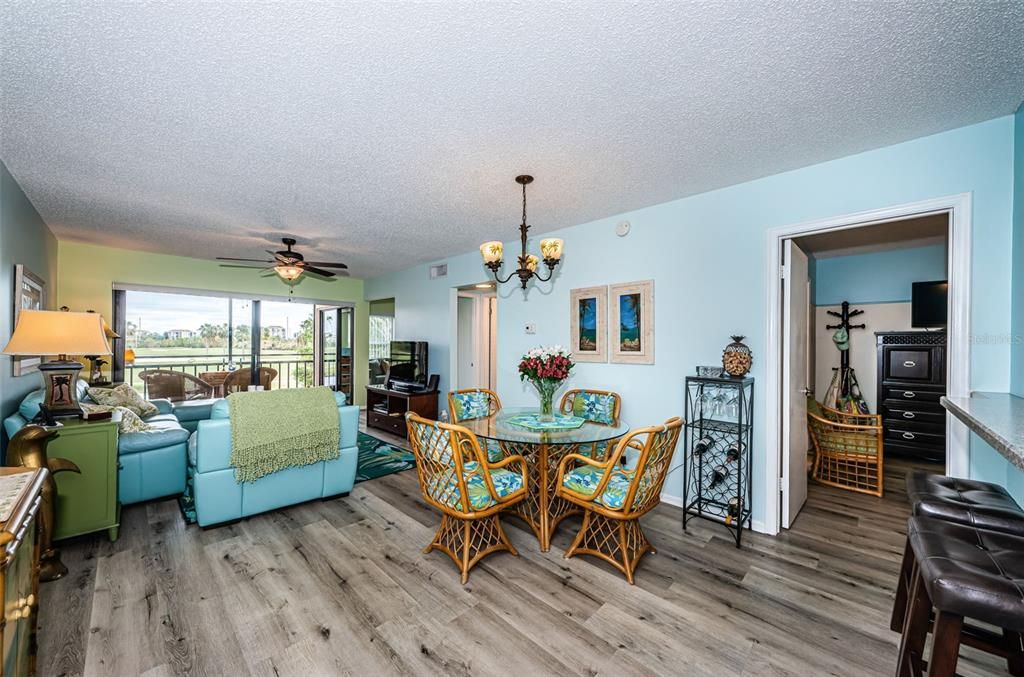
(879, 277)
(25, 239)
(1014, 477)
(706, 254)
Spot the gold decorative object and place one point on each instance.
(737, 358)
(28, 449)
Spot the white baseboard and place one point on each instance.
(677, 501)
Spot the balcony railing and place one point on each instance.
(293, 371)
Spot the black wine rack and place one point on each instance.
(717, 446)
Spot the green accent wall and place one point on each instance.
(88, 272)
(25, 239)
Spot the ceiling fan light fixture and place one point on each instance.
(288, 272)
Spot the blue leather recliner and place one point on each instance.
(219, 498)
(151, 464)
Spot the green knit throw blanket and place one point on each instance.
(276, 429)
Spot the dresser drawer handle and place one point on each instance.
(909, 394)
(909, 363)
(908, 436)
(908, 414)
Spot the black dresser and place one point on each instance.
(911, 380)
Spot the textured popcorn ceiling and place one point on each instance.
(385, 134)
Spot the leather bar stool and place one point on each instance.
(960, 572)
(961, 501)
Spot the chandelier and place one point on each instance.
(550, 249)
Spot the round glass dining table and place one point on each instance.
(543, 451)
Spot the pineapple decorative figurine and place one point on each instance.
(737, 358)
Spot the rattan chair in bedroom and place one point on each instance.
(614, 498)
(848, 449)
(176, 386)
(457, 479)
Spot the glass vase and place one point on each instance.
(546, 389)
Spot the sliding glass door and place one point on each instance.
(189, 345)
(335, 338)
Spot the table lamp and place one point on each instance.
(52, 332)
(97, 362)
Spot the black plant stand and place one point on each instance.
(717, 448)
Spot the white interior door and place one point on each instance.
(467, 342)
(795, 346)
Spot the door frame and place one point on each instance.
(958, 357)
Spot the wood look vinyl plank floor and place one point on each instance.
(341, 587)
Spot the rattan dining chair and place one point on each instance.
(457, 479)
(848, 449)
(472, 403)
(614, 499)
(596, 406)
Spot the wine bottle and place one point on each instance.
(718, 475)
(733, 511)
(702, 445)
(732, 454)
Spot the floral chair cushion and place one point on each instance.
(123, 395)
(584, 480)
(471, 405)
(505, 483)
(494, 452)
(595, 407)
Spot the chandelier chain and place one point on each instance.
(524, 204)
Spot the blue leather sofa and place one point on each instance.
(151, 464)
(219, 498)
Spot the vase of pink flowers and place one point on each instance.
(546, 368)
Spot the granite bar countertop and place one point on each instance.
(998, 418)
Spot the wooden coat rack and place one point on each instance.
(844, 355)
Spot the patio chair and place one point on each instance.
(614, 499)
(176, 386)
(456, 478)
(241, 379)
(848, 449)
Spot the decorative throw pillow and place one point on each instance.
(472, 405)
(594, 407)
(130, 421)
(123, 395)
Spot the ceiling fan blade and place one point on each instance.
(322, 264)
(317, 271)
(229, 258)
(254, 266)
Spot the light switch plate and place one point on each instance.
(531, 328)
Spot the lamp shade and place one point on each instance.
(52, 332)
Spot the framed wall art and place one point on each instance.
(632, 322)
(29, 294)
(588, 324)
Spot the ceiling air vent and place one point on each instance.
(440, 270)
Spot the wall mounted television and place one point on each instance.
(928, 304)
(408, 365)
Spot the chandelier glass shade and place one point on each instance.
(493, 252)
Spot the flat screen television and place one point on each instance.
(928, 304)
(408, 364)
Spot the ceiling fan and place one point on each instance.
(287, 264)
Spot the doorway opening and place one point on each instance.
(475, 348)
(867, 331)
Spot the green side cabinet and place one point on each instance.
(86, 502)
